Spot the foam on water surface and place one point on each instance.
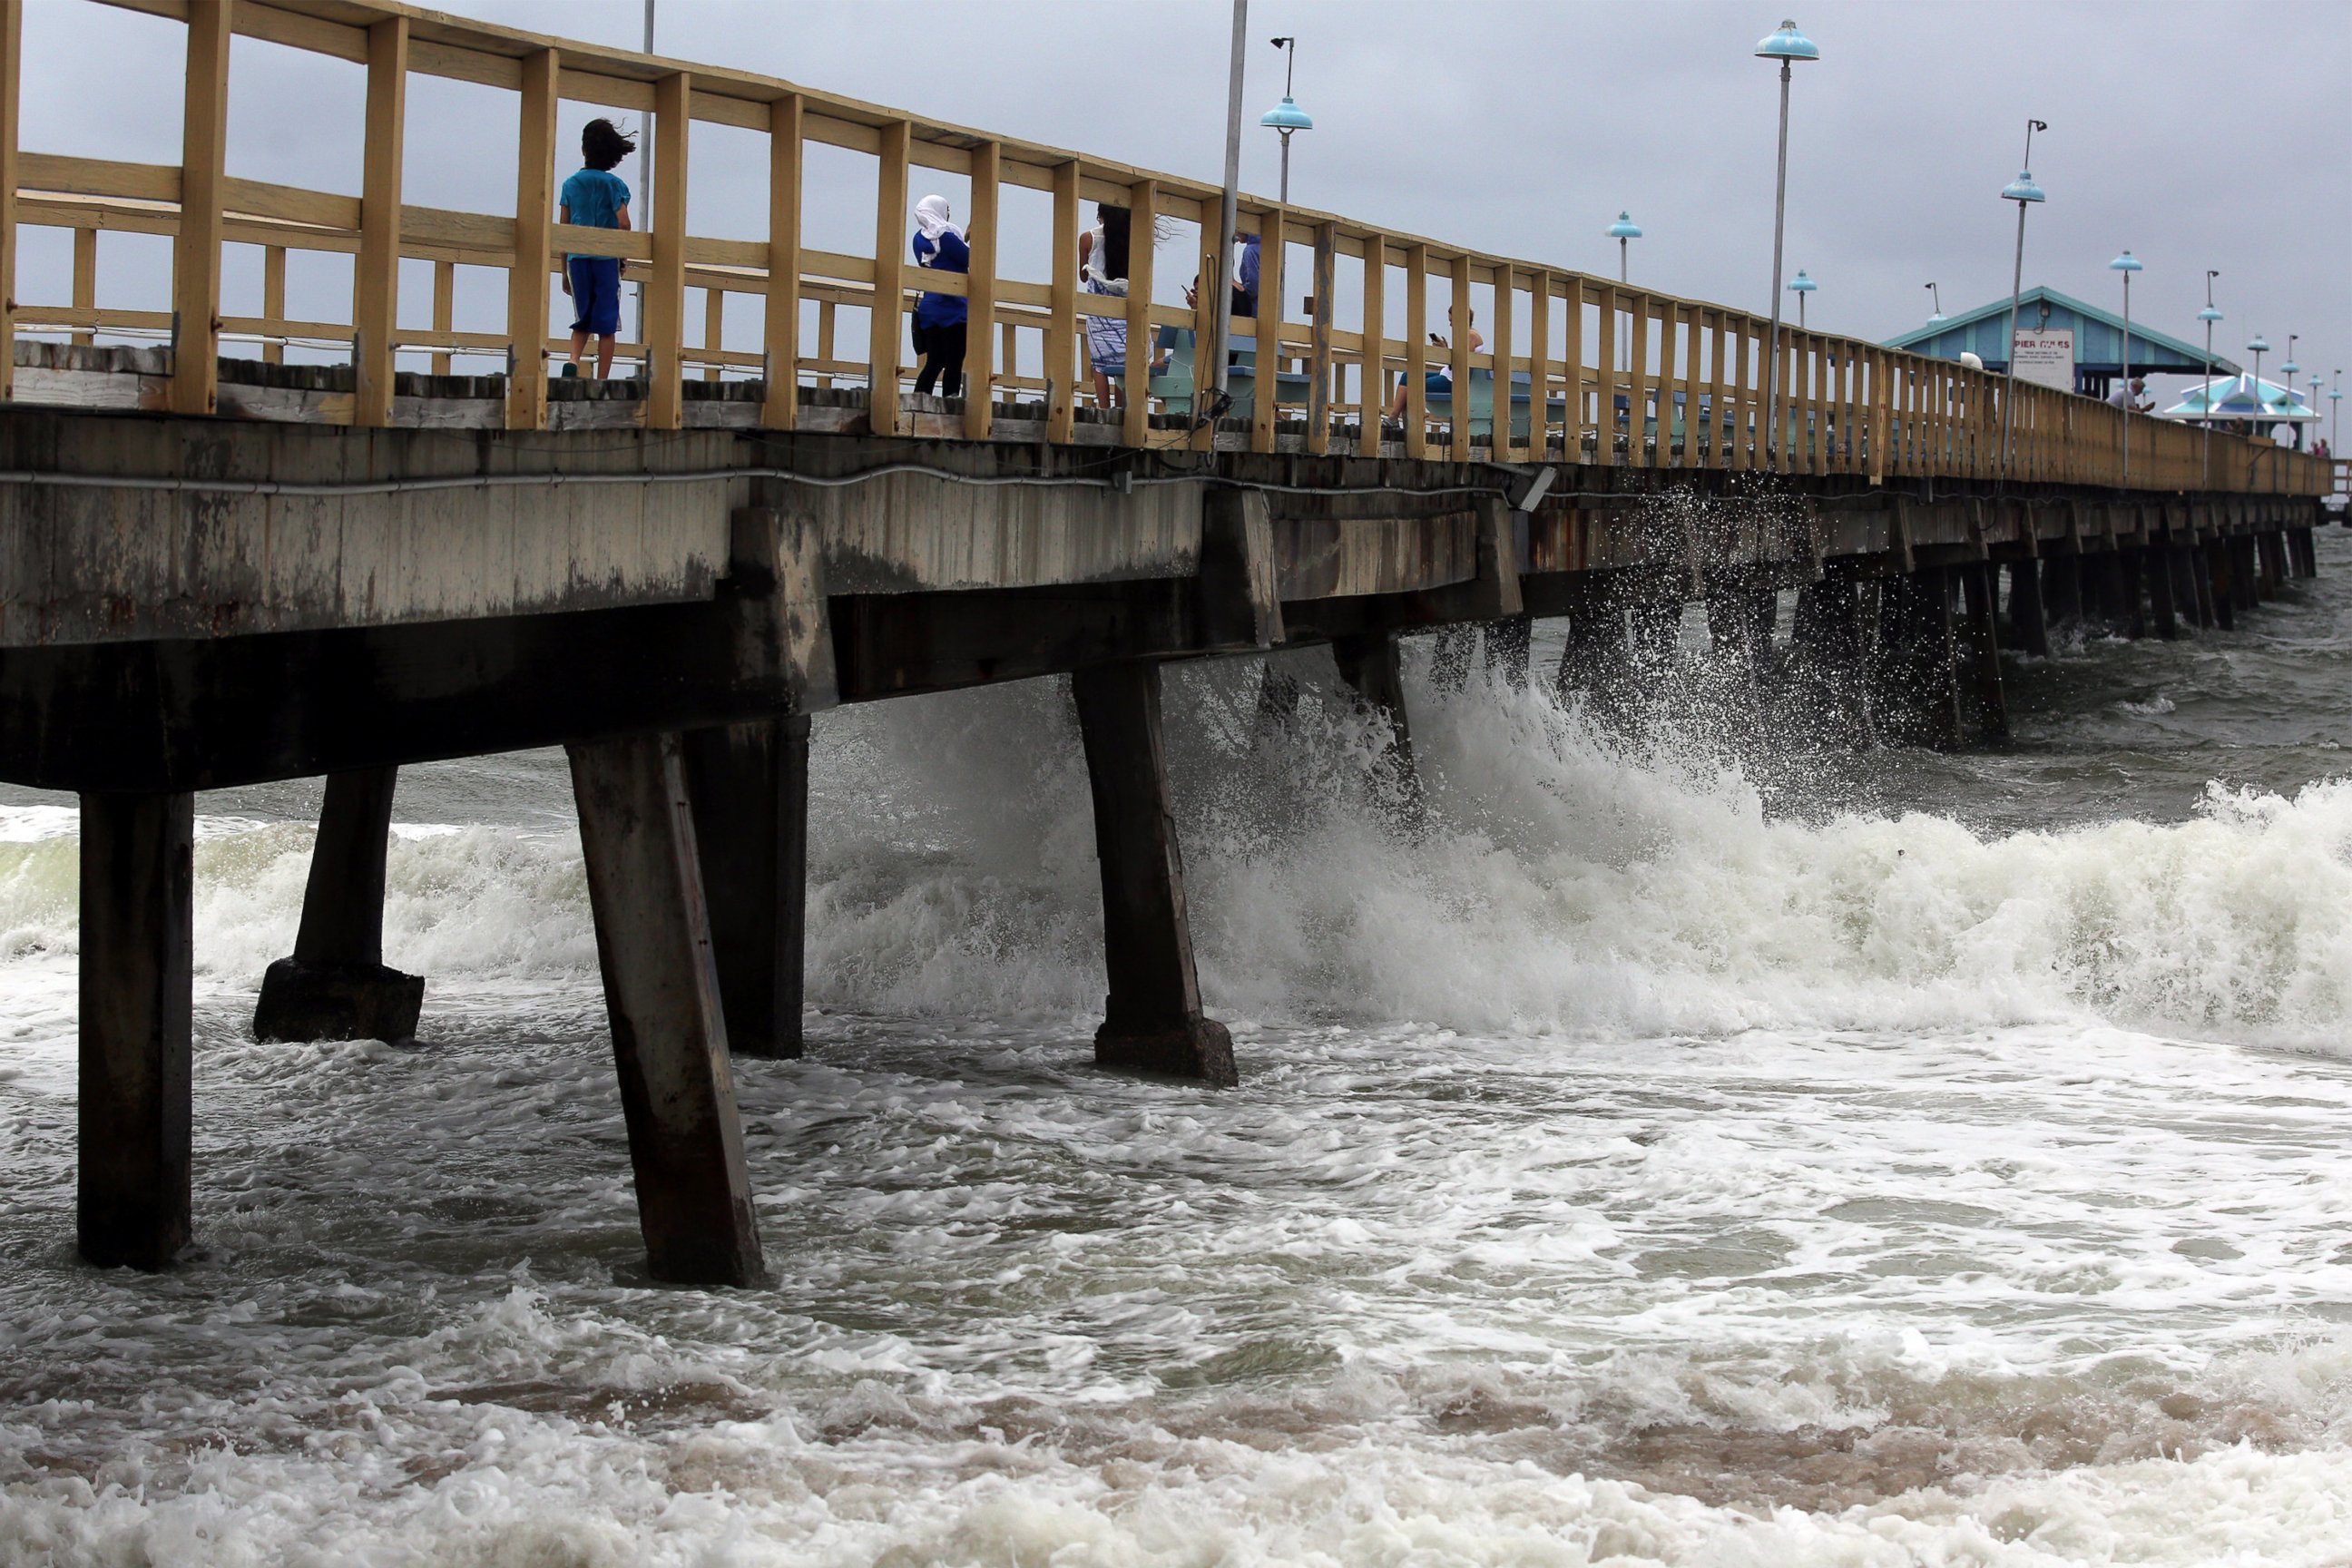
(1657, 1155)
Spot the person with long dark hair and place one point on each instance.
(1102, 269)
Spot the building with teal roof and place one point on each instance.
(2096, 336)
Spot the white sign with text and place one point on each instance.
(2046, 356)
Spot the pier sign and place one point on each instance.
(2046, 356)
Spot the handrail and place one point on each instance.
(1606, 363)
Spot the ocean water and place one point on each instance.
(1684, 1149)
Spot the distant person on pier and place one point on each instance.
(1102, 268)
(2131, 395)
(940, 320)
(1438, 381)
(596, 197)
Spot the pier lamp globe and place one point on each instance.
(1937, 313)
(1622, 231)
(2024, 193)
(1286, 119)
(2126, 264)
(1802, 286)
(2208, 315)
(2260, 346)
(1787, 45)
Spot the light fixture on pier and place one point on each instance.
(2126, 264)
(2258, 348)
(1623, 230)
(1802, 286)
(2024, 193)
(1287, 117)
(1937, 295)
(2336, 417)
(1787, 45)
(2208, 315)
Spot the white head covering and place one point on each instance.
(931, 217)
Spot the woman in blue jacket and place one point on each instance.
(939, 319)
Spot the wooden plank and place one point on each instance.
(1743, 392)
(444, 307)
(824, 326)
(1458, 329)
(85, 286)
(375, 281)
(780, 336)
(1605, 378)
(1502, 445)
(277, 24)
(1062, 334)
(1539, 365)
(1135, 414)
(527, 270)
(1272, 226)
(1416, 351)
(1319, 367)
(290, 204)
(196, 253)
(1371, 390)
(1719, 384)
(980, 326)
(97, 177)
(12, 96)
(714, 321)
(666, 292)
(1572, 370)
(1691, 386)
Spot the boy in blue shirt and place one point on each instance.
(595, 197)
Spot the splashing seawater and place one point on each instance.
(1659, 1153)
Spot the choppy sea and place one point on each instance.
(1678, 1148)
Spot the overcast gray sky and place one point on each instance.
(2196, 135)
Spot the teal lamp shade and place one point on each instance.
(2208, 314)
(2260, 345)
(1801, 284)
(2022, 188)
(2126, 262)
(1286, 116)
(2289, 368)
(1625, 227)
(1788, 44)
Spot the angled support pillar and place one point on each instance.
(1151, 1015)
(2029, 629)
(1595, 657)
(749, 784)
(2061, 588)
(336, 987)
(2133, 621)
(1979, 587)
(1917, 694)
(2188, 592)
(1827, 656)
(661, 992)
(1370, 665)
(2220, 574)
(1508, 642)
(137, 886)
(2156, 566)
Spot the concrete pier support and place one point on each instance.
(661, 992)
(749, 785)
(2246, 572)
(138, 882)
(2133, 622)
(1509, 642)
(1151, 1016)
(2218, 578)
(1980, 588)
(1657, 636)
(1372, 668)
(2302, 551)
(1596, 656)
(1826, 655)
(2061, 588)
(1914, 696)
(2275, 569)
(2155, 567)
(2190, 592)
(2028, 630)
(336, 987)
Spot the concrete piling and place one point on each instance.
(1979, 587)
(1596, 656)
(1914, 693)
(749, 785)
(1826, 657)
(336, 987)
(2218, 575)
(2193, 596)
(1151, 1016)
(2155, 567)
(2061, 588)
(2029, 631)
(1372, 666)
(138, 880)
(1509, 643)
(661, 992)
(2133, 621)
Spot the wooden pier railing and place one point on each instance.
(1607, 374)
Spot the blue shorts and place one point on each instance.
(595, 294)
(1436, 384)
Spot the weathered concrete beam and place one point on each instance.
(1153, 1018)
(661, 993)
(335, 986)
(138, 882)
(749, 785)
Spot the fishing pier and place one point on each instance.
(219, 569)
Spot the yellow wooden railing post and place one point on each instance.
(1505, 322)
(1416, 351)
(527, 288)
(85, 284)
(714, 332)
(1062, 332)
(445, 312)
(885, 323)
(375, 279)
(780, 334)
(1539, 365)
(1573, 369)
(980, 329)
(1142, 216)
(273, 303)
(1371, 389)
(1266, 329)
(1319, 367)
(196, 250)
(12, 98)
(666, 291)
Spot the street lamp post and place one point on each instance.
(2287, 371)
(1788, 46)
(1623, 231)
(2208, 315)
(1802, 286)
(2336, 417)
(1937, 295)
(2126, 264)
(2023, 191)
(1287, 117)
(2258, 348)
(2314, 409)
(1218, 274)
(646, 180)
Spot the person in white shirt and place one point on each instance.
(2132, 396)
